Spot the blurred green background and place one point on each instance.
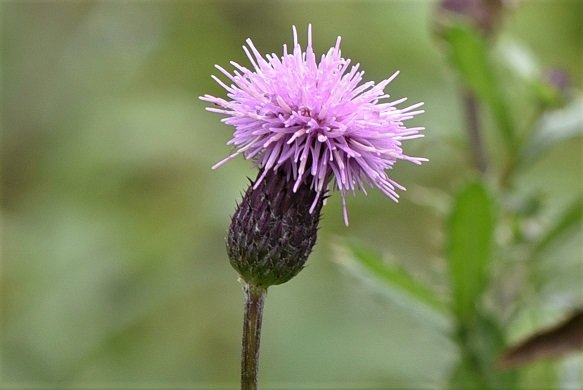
(114, 271)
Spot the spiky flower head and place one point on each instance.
(315, 121)
(272, 231)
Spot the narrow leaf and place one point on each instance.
(553, 127)
(569, 219)
(471, 233)
(470, 56)
(518, 59)
(394, 280)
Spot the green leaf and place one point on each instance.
(481, 341)
(572, 216)
(519, 59)
(470, 55)
(469, 247)
(521, 62)
(394, 280)
(465, 376)
(553, 127)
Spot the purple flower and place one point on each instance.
(315, 121)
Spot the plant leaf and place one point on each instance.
(481, 341)
(470, 56)
(549, 343)
(519, 59)
(469, 247)
(572, 215)
(394, 280)
(553, 127)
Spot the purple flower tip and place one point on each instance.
(315, 120)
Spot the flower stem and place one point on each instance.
(253, 314)
(471, 111)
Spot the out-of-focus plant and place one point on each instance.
(490, 219)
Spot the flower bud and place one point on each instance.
(273, 231)
(483, 15)
(559, 80)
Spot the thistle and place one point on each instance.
(272, 232)
(310, 127)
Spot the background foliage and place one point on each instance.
(113, 264)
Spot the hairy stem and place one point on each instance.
(253, 314)
(472, 118)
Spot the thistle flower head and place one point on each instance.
(315, 121)
(272, 231)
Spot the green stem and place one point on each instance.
(516, 159)
(253, 314)
(472, 118)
